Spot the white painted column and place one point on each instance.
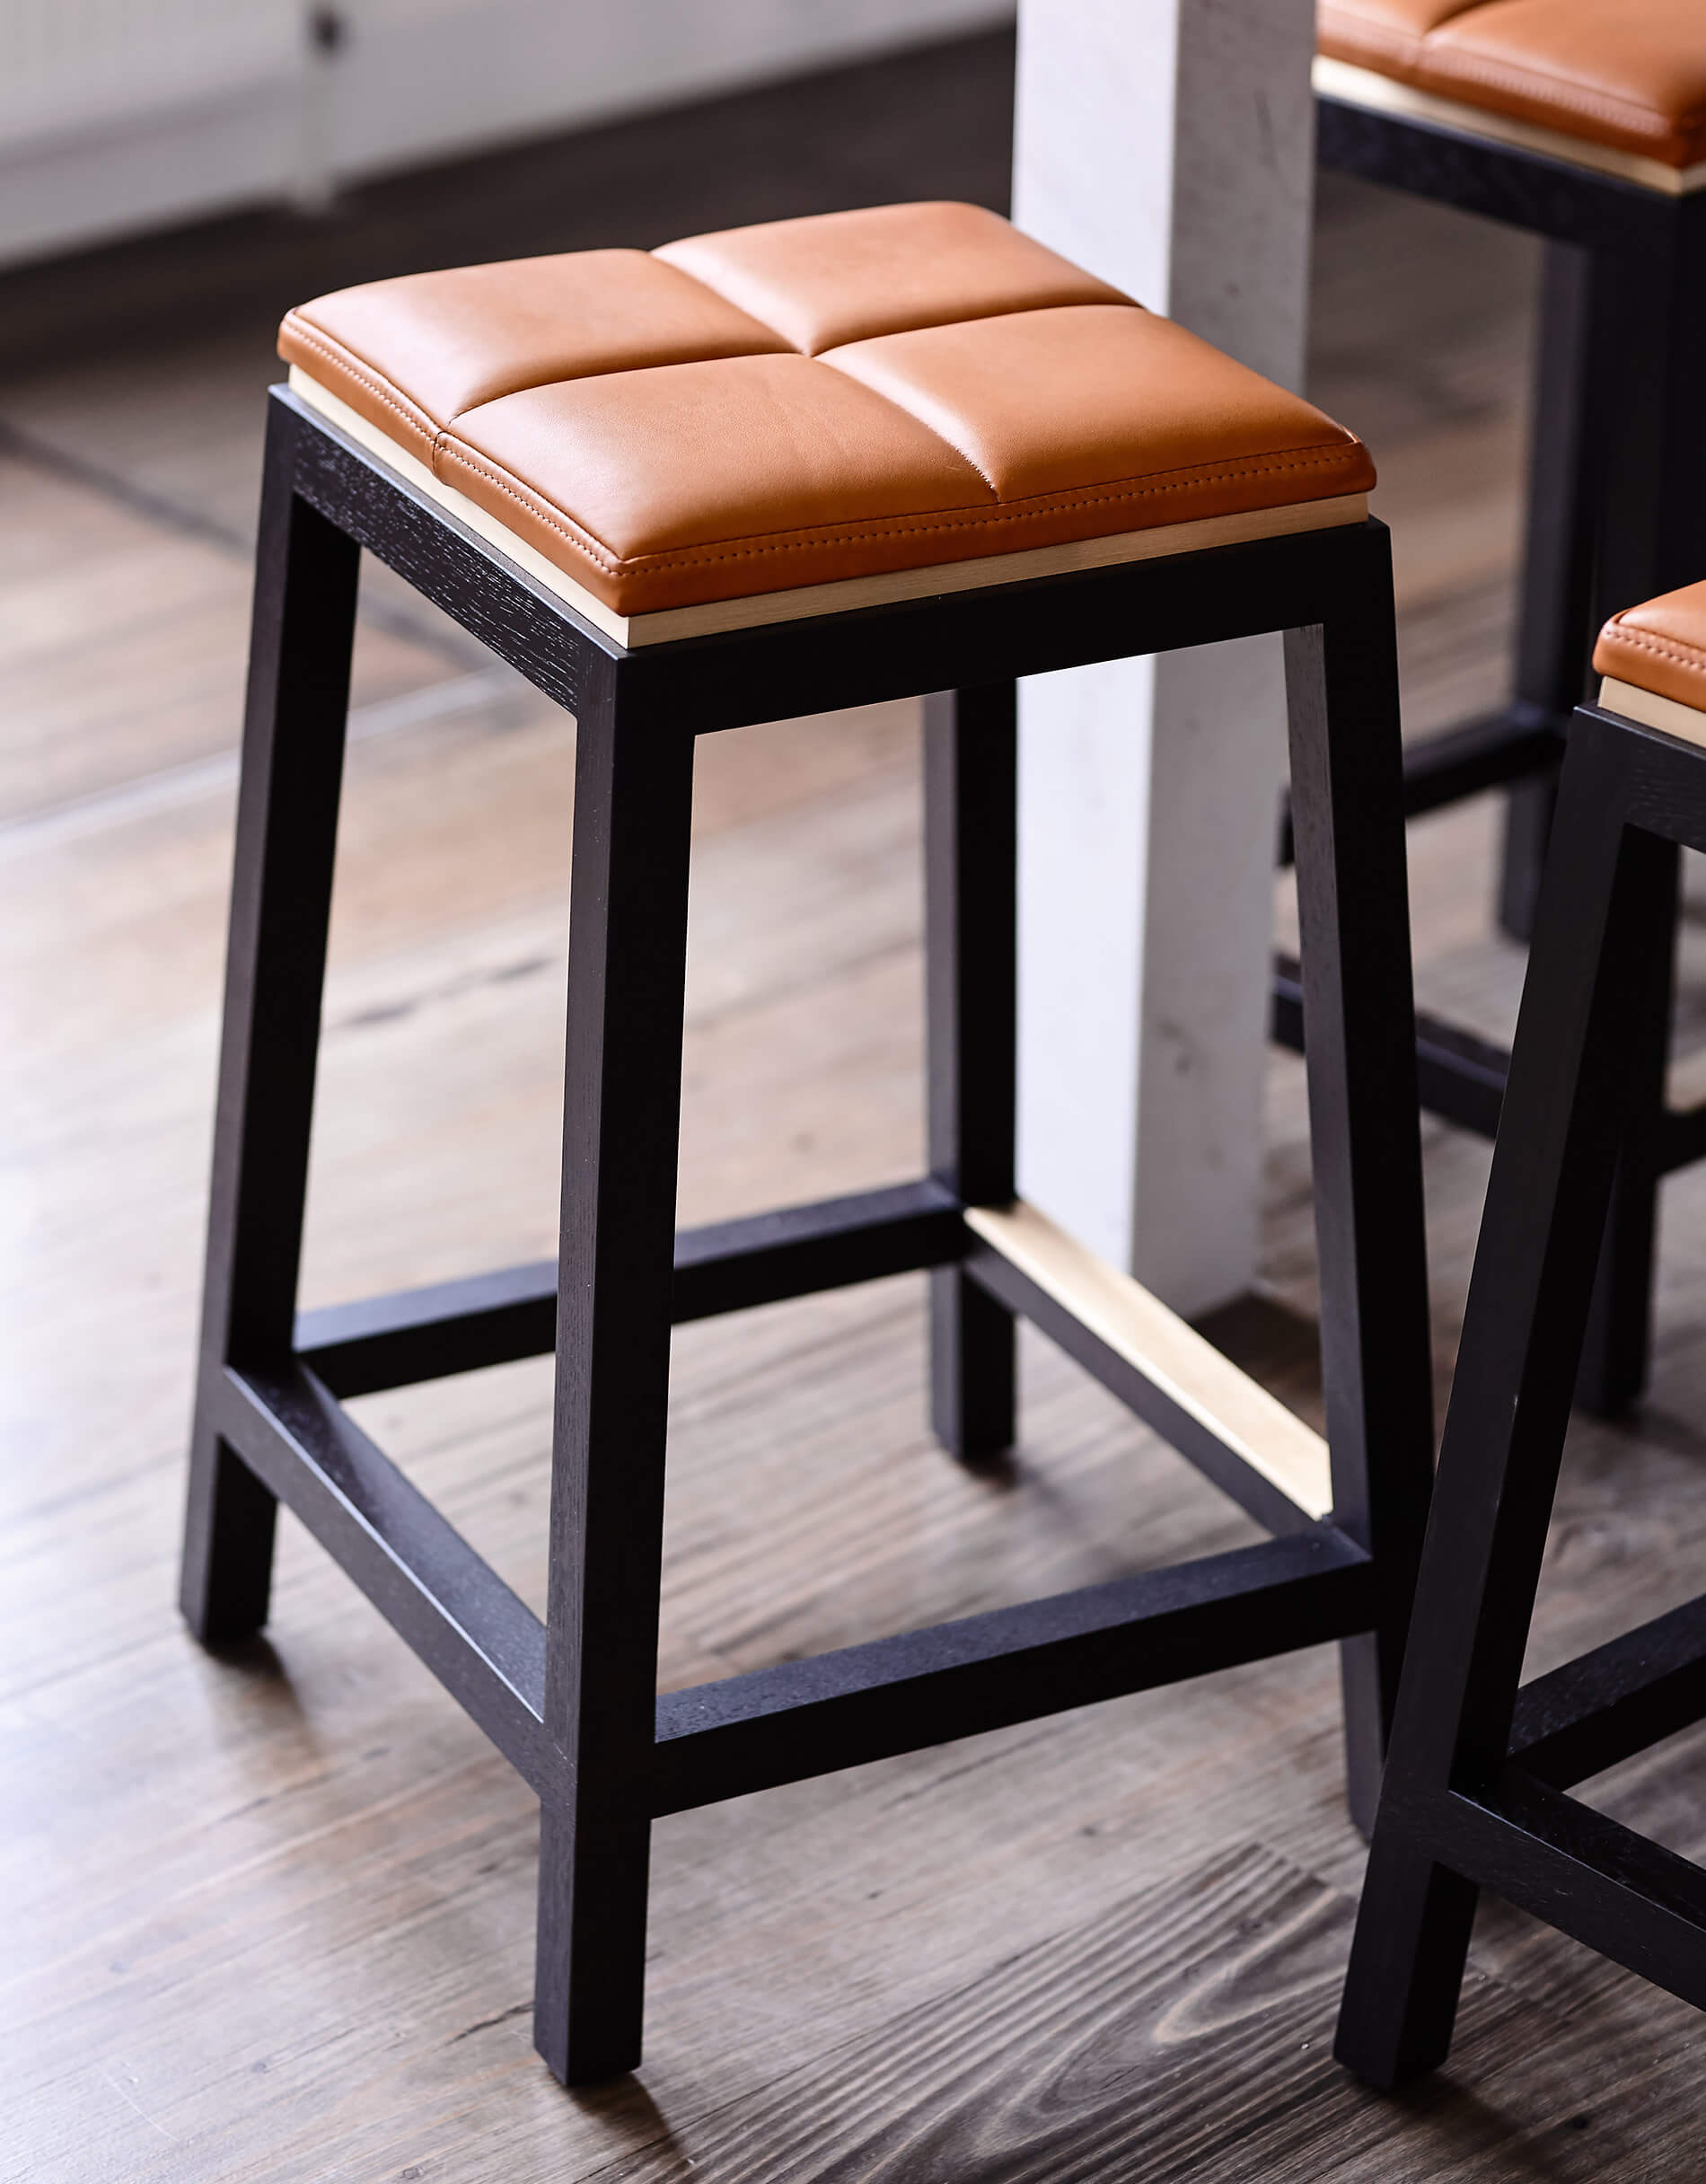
(1168, 145)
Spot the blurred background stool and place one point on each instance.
(760, 474)
(1473, 1794)
(1585, 125)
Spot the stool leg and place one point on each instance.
(970, 849)
(1347, 803)
(633, 809)
(1530, 807)
(1614, 1349)
(305, 615)
(1407, 1962)
(1567, 1105)
(1653, 538)
(1554, 631)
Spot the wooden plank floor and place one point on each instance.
(270, 1918)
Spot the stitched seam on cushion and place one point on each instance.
(793, 348)
(907, 527)
(443, 436)
(1677, 649)
(778, 542)
(553, 517)
(914, 417)
(727, 303)
(383, 389)
(812, 357)
(816, 356)
(558, 520)
(1563, 91)
(1011, 511)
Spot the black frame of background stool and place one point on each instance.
(607, 1755)
(1616, 511)
(1473, 1792)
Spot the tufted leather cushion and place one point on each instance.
(811, 400)
(1659, 647)
(1627, 73)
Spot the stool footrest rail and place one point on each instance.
(1619, 1699)
(1490, 752)
(484, 1643)
(805, 1717)
(1310, 1585)
(728, 1266)
(1013, 1664)
(1589, 1875)
(1238, 1435)
(1460, 1077)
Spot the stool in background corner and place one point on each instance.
(1583, 123)
(1474, 1792)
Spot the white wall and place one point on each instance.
(117, 115)
(455, 76)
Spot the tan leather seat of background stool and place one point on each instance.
(1653, 658)
(919, 388)
(1624, 75)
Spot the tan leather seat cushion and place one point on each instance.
(1631, 74)
(1660, 647)
(811, 400)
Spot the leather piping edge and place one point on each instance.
(1355, 85)
(760, 546)
(846, 595)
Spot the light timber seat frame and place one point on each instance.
(1616, 511)
(571, 1700)
(1475, 1793)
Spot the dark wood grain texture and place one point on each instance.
(1182, 2033)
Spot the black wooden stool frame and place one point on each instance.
(1616, 511)
(1473, 1792)
(572, 1701)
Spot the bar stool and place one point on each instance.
(1584, 124)
(1474, 1789)
(755, 475)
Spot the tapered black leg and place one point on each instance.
(1654, 539)
(1529, 809)
(970, 856)
(1619, 1334)
(1347, 802)
(633, 791)
(1566, 1103)
(1554, 632)
(303, 625)
(1406, 1965)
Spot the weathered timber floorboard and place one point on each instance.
(1182, 2032)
